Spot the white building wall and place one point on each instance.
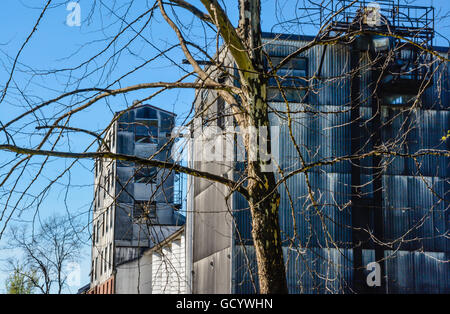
(156, 272)
(166, 270)
(169, 268)
(162, 271)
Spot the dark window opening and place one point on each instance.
(93, 235)
(101, 262)
(221, 113)
(398, 100)
(146, 113)
(110, 255)
(92, 271)
(106, 260)
(146, 131)
(203, 113)
(291, 94)
(111, 216)
(292, 78)
(98, 231)
(167, 122)
(107, 219)
(95, 268)
(221, 106)
(103, 224)
(145, 175)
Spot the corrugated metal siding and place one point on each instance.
(322, 134)
(306, 270)
(438, 95)
(417, 272)
(169, 268)
(411, 211)
(421, 129)
(408, 202)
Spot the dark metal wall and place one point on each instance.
(411, 207)
(318, 248)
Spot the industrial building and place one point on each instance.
(386, 209)
(345, 99)
(135, 207)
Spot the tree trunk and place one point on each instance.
(244, 45)
(264, 203)
(266, 231)
(263, 200)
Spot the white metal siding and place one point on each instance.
(169, 268)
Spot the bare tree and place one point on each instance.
(47, 254)
(244, 90)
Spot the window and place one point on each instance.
(144, 210)
(111, 217)
(398, 99)
(145, 175)
(92, 270)
(221, 107)
(292, 77)
(106, 261)
(107, 179)
(107, 219)
(203, 101)
(93, 236)
(101, 263)
(103, 224)
(167, 122)
(291, 94)
(95, 268)
(220, 113)
(98, 231)
(146, 113)
(146, 131)
(110, 255)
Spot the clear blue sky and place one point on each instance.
(52, 47)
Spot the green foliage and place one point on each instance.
(21, 282)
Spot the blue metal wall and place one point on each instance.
(411, 192)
